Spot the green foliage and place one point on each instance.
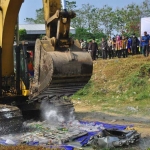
(22, 34)
(82, 33)
(144, 70)
(139, 84)
(39, 19)
(84, 91)
(132, 85)
(41, 36)
(136, 81)
(71, 5)
(144, 95)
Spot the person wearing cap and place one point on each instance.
(145, 44)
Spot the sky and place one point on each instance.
(28, 8)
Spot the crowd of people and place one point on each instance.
(118, 46)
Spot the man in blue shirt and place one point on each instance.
(145, 43)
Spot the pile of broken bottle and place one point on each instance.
(84, 133)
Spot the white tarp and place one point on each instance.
(145, 25)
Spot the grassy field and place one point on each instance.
(118, 86)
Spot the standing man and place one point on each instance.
(145, 43)
(109, 48)
(134, 44)
(84, 45)
(118, 48)
(129, 44)
(124, 47)
(114, 46)
(94, 48)
(104, 48)
(141, 46)
(89, 47)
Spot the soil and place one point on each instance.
(141, 124)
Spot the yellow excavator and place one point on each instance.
(60, 67)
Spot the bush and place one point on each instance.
(22, 34)
(144, 70)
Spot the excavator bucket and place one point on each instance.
(58, 74)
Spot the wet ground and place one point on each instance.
(38, 132)
(55, 133)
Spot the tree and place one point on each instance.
(71, 5)
(91, 20)
(87, 17)
(128, 19)
(39, 19)
(22, 34)
(145, 8)
(82, 33)
(106, 19)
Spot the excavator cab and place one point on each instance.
(27, 62)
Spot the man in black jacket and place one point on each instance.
(104, 48)
(134, 44)
(94, 49)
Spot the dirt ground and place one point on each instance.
(140, 123)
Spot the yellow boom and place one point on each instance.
(8, 17)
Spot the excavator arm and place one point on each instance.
(8, 17)
(9, 11)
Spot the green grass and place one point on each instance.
(118, 82)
